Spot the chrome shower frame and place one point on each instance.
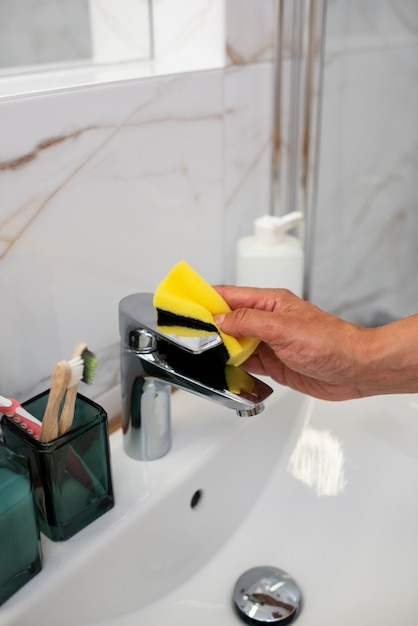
(298, 87)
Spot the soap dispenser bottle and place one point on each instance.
(271, 257)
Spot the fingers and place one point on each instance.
(255, 312)
(251, 297)
(261, 325)
(264, 362)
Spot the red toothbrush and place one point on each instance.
(12, 408)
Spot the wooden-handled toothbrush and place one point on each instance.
(64, 375)
(89, 367)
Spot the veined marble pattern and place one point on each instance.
(120, 31)
(367, 223)
(248, 119)
(104, 188)
(370, 24)
(189, 34)
(250, 31)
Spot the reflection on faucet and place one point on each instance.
(152, 362)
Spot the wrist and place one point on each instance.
(389, 361)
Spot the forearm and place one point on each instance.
(317, 353)
(389, 358)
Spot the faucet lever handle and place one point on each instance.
(139, 321)
(144, 341)
(194, 344)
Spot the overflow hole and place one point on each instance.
(196, 498)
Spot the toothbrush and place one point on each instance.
(12, 408)
(65, 374)
(89, 369)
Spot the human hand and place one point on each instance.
(301, 346)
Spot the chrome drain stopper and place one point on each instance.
(266, 595)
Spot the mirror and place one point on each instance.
(54, 34)
(47, 45)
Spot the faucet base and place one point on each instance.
(149, 432)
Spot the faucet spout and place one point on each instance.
(152, 362)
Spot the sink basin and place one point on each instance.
(325, 491)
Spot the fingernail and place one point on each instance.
(219, 319)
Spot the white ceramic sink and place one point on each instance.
(325, 491)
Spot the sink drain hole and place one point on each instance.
(196, 498)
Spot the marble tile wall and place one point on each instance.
(104, 188)
(367, 227)
(367, 216)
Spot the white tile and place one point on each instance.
(251, 27)
(134, 185)
(248, 119)
(370, 24)
(366, 229)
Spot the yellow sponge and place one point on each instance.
(185, 305)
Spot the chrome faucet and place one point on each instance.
(152, 362)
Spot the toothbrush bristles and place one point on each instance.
(83, 368)
(89, 369)
(77, 366)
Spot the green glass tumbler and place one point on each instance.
(72, 473)
(20, 546)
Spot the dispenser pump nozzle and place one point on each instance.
(271, 229)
